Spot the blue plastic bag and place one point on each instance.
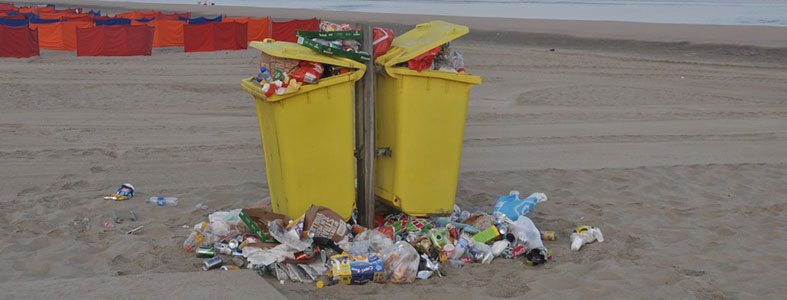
(513, 207)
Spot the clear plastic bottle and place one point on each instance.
(163, 201)
(265, 75)
(527, 232)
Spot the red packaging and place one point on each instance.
(466, 259)
(423, 61)
(307, 72)
(382, 39)
(388, 231)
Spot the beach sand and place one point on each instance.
(672, 141)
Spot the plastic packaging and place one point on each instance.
(280, 234)
(423, 61)
(584, 235)
(378, 242)
(401, 265)
(527, 232)
(513, 207)
(499, 246)
(481, 253)
(163, 201)
(222, 223)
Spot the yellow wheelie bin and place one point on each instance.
(420, 122)
(308, 135)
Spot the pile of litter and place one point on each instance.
(320, 247)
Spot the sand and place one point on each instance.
(675, 150)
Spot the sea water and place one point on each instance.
(718, 12)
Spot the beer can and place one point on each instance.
(233, 244)
(206, 252)
(212, 263)
(452, 231)
(547, 235)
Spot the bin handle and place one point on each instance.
(269, 40)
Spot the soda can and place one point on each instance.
(206, 252)
(230, 268)
(233, 244)
(126, 190)
(237, 252)
(518, 251)
(466, 259)
(212, 263)
(547, 235)
(222, 248)
(452, 231)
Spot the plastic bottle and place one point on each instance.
(584, 235)
(265, 75)
(163, 201)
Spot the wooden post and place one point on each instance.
(364, 136)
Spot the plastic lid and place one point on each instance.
(295, 51)
(422, 38)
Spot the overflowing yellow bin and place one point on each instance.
(307, 136)
(420, 122)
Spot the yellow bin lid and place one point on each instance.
(422, 38)
(296, 51)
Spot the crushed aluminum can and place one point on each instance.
(233, 244)
(230, 268)
(212, 263)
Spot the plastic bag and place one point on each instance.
(401, 265)
(513, 207)
(223, 223)
(382, 39)
(527, 232)
(378, 241)
(288, 238)
(423, 61)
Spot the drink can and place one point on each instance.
(212, 263)
(519, 251)
(466, 259)
(206, 252)
(233, 244)
(237, 252)
(547, 235)
(230, 268)
(452, 231)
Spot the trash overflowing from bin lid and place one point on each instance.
(280, 76)
(320, 247)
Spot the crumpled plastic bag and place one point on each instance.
(259, 256)
(382, 39)
(289, 238)
(378, 241)
(401, 265)
(513, 207)
(423, 61)
(222, 223)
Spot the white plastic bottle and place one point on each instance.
(163, 201)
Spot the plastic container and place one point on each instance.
(420, 122)
(308, 136)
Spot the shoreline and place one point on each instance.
(766, 37)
